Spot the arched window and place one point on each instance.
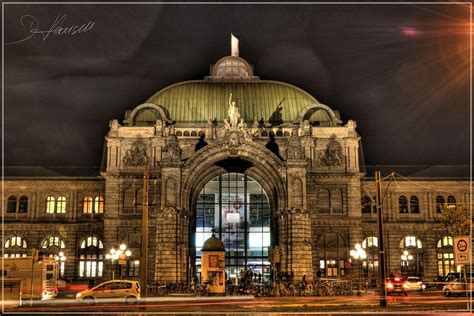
(128, 200)
(371, 264)
(15, 247)
(411, 257)
(179, 133)
(53, 247)
(99, 205)
(50, 204)
(87, 205)
(91, 257)
(23, 204)
(414, 204)
(445, 255)
(336, 201)
(366, 205)
(11, 206)
(194, 133)
(61, 205)
(186, 133)
(451, 202)
(323, 201)
(332, 255)
(439, 203)
(403, 204)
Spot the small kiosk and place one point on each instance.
(213, 264)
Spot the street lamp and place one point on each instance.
(358, 253)
(121, 255)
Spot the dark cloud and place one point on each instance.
(400, 71)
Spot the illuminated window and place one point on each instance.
(239, 209)
(61, 205)
(371, 264)
(53, 247)
(99, 205)
(91, 258)
(87, 205)
(445, 255)
(15, 247)
(50, 204)
(403, 204)
(11, 206)
(332, 255)
(411, 256)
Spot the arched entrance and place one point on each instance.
(239, 209)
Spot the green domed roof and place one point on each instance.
(201, 100)
(213, 244)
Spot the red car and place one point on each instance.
(396, 285)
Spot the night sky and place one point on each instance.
(400, 71)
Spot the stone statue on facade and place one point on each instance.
(233, 113)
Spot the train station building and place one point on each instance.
(276, 173)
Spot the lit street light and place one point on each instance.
(121, 255)
(358, 254)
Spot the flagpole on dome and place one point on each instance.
(234, 42)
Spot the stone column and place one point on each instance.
(300, 244)
(171, 248)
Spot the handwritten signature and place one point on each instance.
(57, 28)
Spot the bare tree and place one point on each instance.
(457, 219)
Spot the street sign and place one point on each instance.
(348, 264)
(462, 250)
(122, 259)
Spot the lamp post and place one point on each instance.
(358, 253)
(406, 258)
(121, 255)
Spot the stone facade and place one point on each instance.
(310, 169)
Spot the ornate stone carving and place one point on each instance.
(295, 150)
(135, 157)
(331, 156)
(171, 152)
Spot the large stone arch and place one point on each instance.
(264, 167)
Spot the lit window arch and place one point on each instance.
(370, 265)
(61, 204)
(11, 204)
(99, 205)
(91, 257)
(87, 205)
(50, 204)
(15, 246)
(332, 254)
(411, 256)
(52, 246)
(445, 254)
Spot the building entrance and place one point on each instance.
(239, 210)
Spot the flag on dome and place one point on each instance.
(234, 45)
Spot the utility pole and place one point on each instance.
(378, 202)
(144, 241)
